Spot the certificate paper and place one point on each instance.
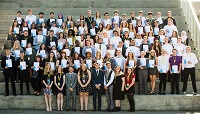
(126, 43)
(100, 62)
(156, 30)
(174, 41)
(33, 32)
(36, 65)
(59, 22)
(42, 53)
(151, 63)
(145, 48)
(147, 28)
(134, 23)
(163, 69)
(118, 61)
(22, 65)
(92, 32)
(16, 30)
(105, 41)
(9, 63)
(40, 38)
(64, 63)
(23, 43)
(131, 63)
(81, 30)
(69, 40)
(60, 45)
(131, 35)
(67, 51)
(29, 51)
(77, 49)
(52, 44)
(112, 53)
(138, 42)
(89, 63)
(78, 38)
(140, 30)
(17, 52)
(174, 68)
(151, 39)
(76, 64)
(143, 61)
(52, 65)
(162, 37)
(25, 28)
(89, 50)
(44, 31)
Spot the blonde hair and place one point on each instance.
(15, 45)
(46, 70)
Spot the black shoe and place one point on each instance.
(28, 93)
(146, 93)
(111, 110)
(94, 110)
(163, 92)
(14, 94)
(131, 110)
(108, 109)
(160, 93)
(81, 110)
(119, 108)
(140, 93)
(99, 109)
(67, 110)
(6, 95)
(194, 93)
(177, 93)
(21, 93)
(172, 93)
(74, 110)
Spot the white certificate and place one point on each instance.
(36, 65)
(52, 44)
(25, 28)
(174, 68)
(67, 51)
(162, 37)
(112, 53)
(60, 45)
(81, 30)
(143, 61)
(51, 20)
(131, 63)
(69, 40)
(151, 63)
(145, 48)
(78, 38)
(140, 30)
(124, 29)
(33, 32)
(147, 28)
(59, 22)
(19, 20)
(160, 20)
(17, 53)
(43, 53)
(96, 46)
(131, 35)
(23, 43)
(100, 62)
(163, 69)
(138, 42)
(44, 31)
(126, 43)
(60, 30)
(105, 41)
(52, 65)
(76, 64)
(64, 63)
(120, 49)
(179, 49)
(16, 30)
(22, 65)
(29, 51)
(174, 40)
(116, 19)
(77, 49)
(110, 34)
(9, 63)
(41, 20)
(89, 63)
(92, 32)
(151, 39)
(134, 23)
(40, 38)
(55, 52)
(89, 50)
(156, 30)
(118, 61)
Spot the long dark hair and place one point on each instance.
(127, 75)
(13, 24)
(81, 71)
(54, 58)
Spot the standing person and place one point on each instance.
(97, 84)
(118, 90)
(129, 88)
(84, 86)
(8, 72)
(142, 64)
(89, 19)
(23, 72)
(189, 61)
(163, 68)
(71, 81)
(59, 81)
(48, 82)
(108, 86)
(30, 18)
(175, 64)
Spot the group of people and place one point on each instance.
(94, 55)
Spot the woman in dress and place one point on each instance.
(41, 50)
(130, 88)
(48, 82)
(153, 71)
(118, 90)
(13, 32)
(63, 61)
(157, 47)
(59, 81)
(84, 86)
(130, 62)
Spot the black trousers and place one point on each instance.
(191, 72)
(36, 84)
(163, 80)
(131, 100)
(95, 93)
(10, 76)
(175, 82)
(24, 75)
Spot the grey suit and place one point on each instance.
(143, 74)
(71, 81)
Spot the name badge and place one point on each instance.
(58, 84)
(29, 58)
(83, 81)
(71, 84)
(48, 80)
(127, 85)
(107, 81)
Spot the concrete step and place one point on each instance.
(142, 102)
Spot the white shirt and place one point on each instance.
(111, 78)
(106, 21)
(30, 18)
(133, 49)
(189, 57)
(103, 50)
(169, 29)
(180, 47)
(163, 63)
(115, 41)
(168, 48)
(143, 21)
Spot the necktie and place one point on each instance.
(141, 20)
(97, 72)
(50, 39)
(7, 58)
(99, 46)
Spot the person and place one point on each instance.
(88, 47)
(189, 60)
(169, 28)
(59, 82)
(108, 86)
(22, 65)
(30, 18)
(108, 58)
(129, 88)
(169, 15)
(142, 65)
(106, 19)
(50, 20)
(19, 19)
(175, 66)
(163, 68)
(26, 37)
(84, 86)
(50, 38)
(8, 68)
(48, 82)
(153, 71)
(40, 19)
(13, 31)
(37, 75)
(150, 19)
(71, 82)
(118, 89)
(39, 39)
(116, 19)
(97, 85)
(89, 19)
(132, 19)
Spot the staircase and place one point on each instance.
(8, 9)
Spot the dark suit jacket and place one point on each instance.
(97, 79)
(74, 81)
(143, 71)
(9, 70)
(88, 21)
(130, 20)
(18, 63)
(72, 52)
(29, 40)
(54, 39)
(166, 21)
(96, 29)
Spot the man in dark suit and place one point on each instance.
(97, 84)
(71, 81)
(51, 38)
(26, 37)
(169, 15)
(93, 26)
(150, 19)
(8, 72)
(89, 18)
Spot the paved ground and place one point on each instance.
(90, 112)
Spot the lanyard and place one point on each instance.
(163, 59)
(59, 77)
(174, 60)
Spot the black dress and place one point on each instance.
(84, 78)
(48, 79)
(59, 81)
(118, 94)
